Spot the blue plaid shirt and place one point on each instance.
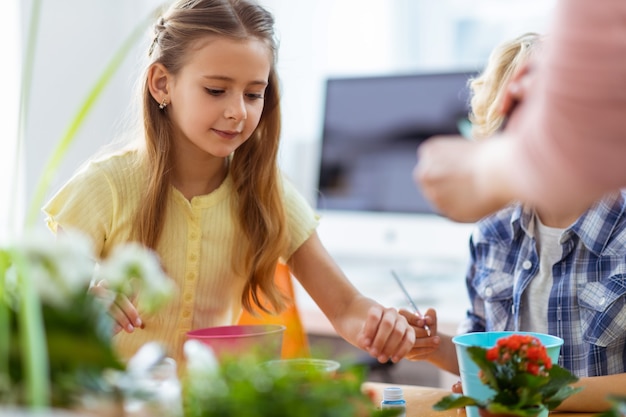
(587, 302)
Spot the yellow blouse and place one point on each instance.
(195, 246)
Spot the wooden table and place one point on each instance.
(420, 400)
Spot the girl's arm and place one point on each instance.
(382, 332)
(592, 398)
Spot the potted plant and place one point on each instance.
(525, 381)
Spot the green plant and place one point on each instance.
(244, 386)
(77, 327)
(618, 407)
(522, 375)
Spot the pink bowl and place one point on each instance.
(264, 340)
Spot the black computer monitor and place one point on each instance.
(372, 128)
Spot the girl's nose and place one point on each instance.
(236, 109)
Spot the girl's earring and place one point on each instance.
(163, 104)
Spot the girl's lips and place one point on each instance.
(226, 134)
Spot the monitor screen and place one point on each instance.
(372, 128)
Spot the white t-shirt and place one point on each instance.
(534, 310)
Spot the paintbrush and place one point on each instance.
(408, 297)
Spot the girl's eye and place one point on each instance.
(214, 92)
(255, 96)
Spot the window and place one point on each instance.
(10, 203)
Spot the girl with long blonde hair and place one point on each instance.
(204, 190)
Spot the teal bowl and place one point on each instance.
(472, 386)
(305, 366)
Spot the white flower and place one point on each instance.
(58, 269)
(201, 360)
(132, 268)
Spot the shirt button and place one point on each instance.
(188, 297)
(186, 313)
(602, 301)
(488, 291)
(191, 276)
(527, 264)
(193, 257)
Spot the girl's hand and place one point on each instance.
(386, 334)
(121, 308)
(424, 345)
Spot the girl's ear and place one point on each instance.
(158, 82)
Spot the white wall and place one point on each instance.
(77, 39)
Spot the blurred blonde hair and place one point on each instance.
(489, 87)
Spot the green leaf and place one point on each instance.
(618, 406)
(36, 363)
(558, 377)
(32, 337)
(456, 401)
(554, 400)
(496, 408)
(5, 328)
(68, 138)
(489, 368)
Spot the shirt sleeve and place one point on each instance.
(570, 132)
(302, 220)
(84, 204)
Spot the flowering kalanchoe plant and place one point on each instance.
(521, 373)
(77, 329)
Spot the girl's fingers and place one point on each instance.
(121, 309)
(394, 338)
(122, 321)
(404, 347)
(128, 316)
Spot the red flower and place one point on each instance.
(532, 368)
(525, 353)
(493, 354)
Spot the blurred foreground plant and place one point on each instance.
(618, 407)
(77, 327)
(244, 387)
